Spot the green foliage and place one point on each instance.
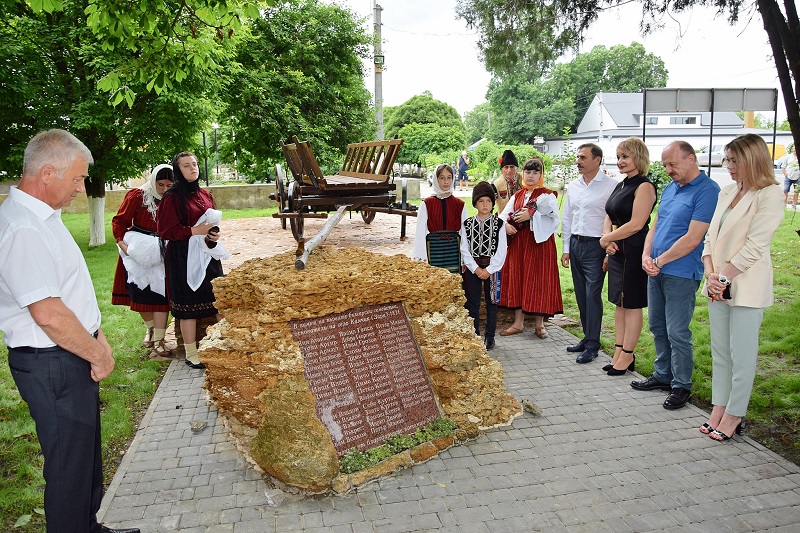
(422, 109)
(658, 175)
(163, 43)
(50, 64)
(526, 38)
(299, 72)
(354, 460)
(421, 139)
(522, 109)
(477, 122)
(564, 171)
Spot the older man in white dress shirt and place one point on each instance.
(57, 352)
(581, 227)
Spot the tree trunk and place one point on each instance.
(96, 198)
(97, 225)
(785, 44)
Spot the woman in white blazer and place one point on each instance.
(738, 271)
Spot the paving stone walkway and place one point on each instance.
(600, 457)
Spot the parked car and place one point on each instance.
(717, 153)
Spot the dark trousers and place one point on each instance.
(65, 404)
(472, 290)
(586, 263)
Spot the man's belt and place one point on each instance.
(483, 260)
(583, 238)
(49, 349)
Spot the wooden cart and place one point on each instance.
(364, 184)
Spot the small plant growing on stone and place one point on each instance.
(354, 460)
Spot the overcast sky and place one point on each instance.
(427, 48)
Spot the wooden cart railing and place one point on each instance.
(364, 183)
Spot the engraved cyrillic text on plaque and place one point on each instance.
(366, 373)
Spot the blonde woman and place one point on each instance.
(738, 271)
(624, 231)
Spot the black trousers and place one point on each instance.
(473, 287)
(586, 263)
(64, 402)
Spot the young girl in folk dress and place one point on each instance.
(179, 211)
(439, 212)
(137, 213)
(530, 274)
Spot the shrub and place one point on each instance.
(354, 460)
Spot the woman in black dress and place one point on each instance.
(178, 214)
(627, 217)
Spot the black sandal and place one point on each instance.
(610, 366)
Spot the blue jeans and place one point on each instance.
(670, 309)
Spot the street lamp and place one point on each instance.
(216, 155)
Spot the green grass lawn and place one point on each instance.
(773, 418)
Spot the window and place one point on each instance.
(683, 120)
(650, 121)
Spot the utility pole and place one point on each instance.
(378, 73)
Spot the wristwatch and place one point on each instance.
(724, 280)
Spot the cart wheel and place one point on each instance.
(368, 216)
(281, 193)
(293, 200)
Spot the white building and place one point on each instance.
(612, 117)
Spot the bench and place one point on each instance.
(367, 165)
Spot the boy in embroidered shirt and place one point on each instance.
(483, 251)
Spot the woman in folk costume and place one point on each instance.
(142, 289)
(438, 213)
(182, 215)
(530, 274)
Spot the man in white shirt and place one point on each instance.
(49, 316)
(581, 227)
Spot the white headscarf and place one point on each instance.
(151, 195)
(437, 189)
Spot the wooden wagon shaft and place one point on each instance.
(299, 215)
(301, 262)
(389, 210)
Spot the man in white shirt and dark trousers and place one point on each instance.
(581, 227)
(57, 352)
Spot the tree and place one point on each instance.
(477, 122)
(537, 32)
(163, 42)
(49, 65)
(299, 71)
(523, 110)
(420, 139)
(617, 69)
(422, 109)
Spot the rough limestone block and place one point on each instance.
(255, 369)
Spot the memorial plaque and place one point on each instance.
(367, 375)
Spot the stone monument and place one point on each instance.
(259, 378)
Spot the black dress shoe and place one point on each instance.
(650, 383)
(586, 357)
(677, 398)
(196, 366)
(575, 348)
(489, 343)
(104, 529)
